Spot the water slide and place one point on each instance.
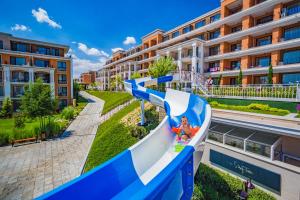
(150, 169)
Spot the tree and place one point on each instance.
(162, 67)
(117, 82)
(76, 89)
(7, 108)
(136, 75)
(219, 80)
(240, 78)
(38, 103)
(270, 75)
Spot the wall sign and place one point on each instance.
(260, 176)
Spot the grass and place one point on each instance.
(112, 138)
(290, 106)
(112, 99)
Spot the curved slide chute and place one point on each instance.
(150, 169)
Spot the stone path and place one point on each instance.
(28, 171)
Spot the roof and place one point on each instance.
(66, 47)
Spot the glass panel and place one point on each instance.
(21, 47)
(264, 20)
(235, 142)
(291, 57)
(214, 34)
(41, 63)
(257, 148)
(200, 24)
(293, 9)
(263, 62)
(215, 136)
(264, 41)
(20, 76)
(62, 91)
(215, 17)
(62, 66)
(292, 33)
(235, 65)
(62, 79)
(17, 61)
(175, 34)
(187, 29)
(236, 29)
(291, 78)
(1, 44)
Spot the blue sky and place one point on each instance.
(93, 28)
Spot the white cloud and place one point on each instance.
(20, 27)
(84, 65)
(91, 51)
(129, 40)
(41, 16)
(116, 49)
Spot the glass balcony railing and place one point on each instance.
(290, 10)
(291, 57)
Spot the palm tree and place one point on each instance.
(162, 67)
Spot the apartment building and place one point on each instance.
(249, 35)
(23, 61)
(88, 77)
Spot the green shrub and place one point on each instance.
(7, 108)
(138, 132)
(253, 107)
(19, 120)
(68, 113)
(214, 184)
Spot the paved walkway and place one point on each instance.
(28, 171)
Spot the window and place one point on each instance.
(233, 81)
(41, 63)
(292, 33)
(200, 24)
(43, 50)
(215, 18)
(17, 91)
(62, 79)
(62, 103)
(20, 76)
(235, 65)
(236, 47)
(261, 149)
(175, 34)
(165, 38)
(264, 41)
(215, 34)
(291, 57)
(62, 91)
(19, 47)
(17, 61)
(187, 29)
(214, 50)
(264, 20)
(55, 52)
(236, 29)
(61, 66)
(263, 61)
(201, 37)
(291, 78)
(214, 67)
(261, 80)
(1, 44)
(293, 9)
(1, 91)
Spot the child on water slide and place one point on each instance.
(185, 131)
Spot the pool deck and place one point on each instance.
(286, 125)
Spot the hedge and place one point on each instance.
(214, 184)
(253, 107)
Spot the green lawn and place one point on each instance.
(112, 99)
(111, 139)
(290, 106)
(8, 132)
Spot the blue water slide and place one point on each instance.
(150, 169)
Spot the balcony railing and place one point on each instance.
(277, 92)
(213, 69)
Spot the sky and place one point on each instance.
(94, 29)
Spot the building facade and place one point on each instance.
(250, 35)
(88, 78)
(23, 61)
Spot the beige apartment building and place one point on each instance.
(249, 35)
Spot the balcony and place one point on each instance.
(290, 10)
(186, 76)
(291, 33)
(45, 77)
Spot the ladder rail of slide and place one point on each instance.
(150, 169)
